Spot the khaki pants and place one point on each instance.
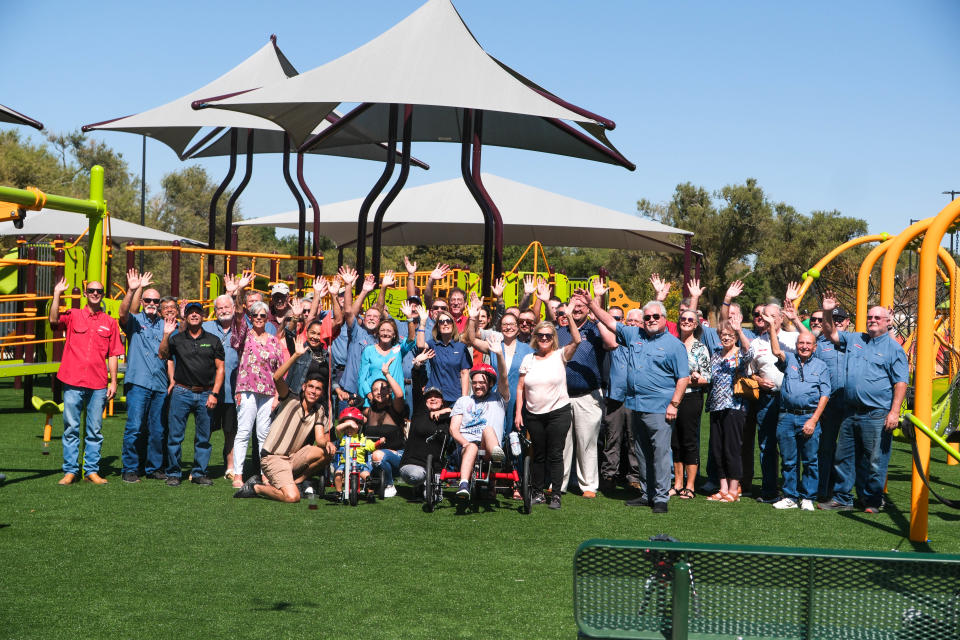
(587, 413)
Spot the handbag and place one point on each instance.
(744, 386)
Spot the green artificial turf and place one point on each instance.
(146, 560)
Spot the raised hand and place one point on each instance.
(793, 291)
(693, 286)
(496, 289)
(543, 290)
(735, 316)
(300, 347)
(334, 286)
(169, 325)
(494, 340)
(411, 267)
(735, 289)
(230, 284)
(348, 274)
(320, 287)
(385, 367)
(599, 287)
(661, 286)
(369, 283)
(475, 304)
(133, 280)
(61, 286)
(423, 356)
(769, 319)
(406, 309)
(529, 285)
(146, 279)
(439, 271)
(296, 306)
(829, 302)
(389, 279)
(790, 311)
(246, 279)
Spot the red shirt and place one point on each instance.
(91, 338)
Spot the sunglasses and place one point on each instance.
(544, 336)
(437, 307)
(617, 318)
(444, 321)
(868, 317)
(151, 300)
(259, 315)
(561, 313)
(688, 319)
(652, 316)
(817, 320)
(526, 322)
(757, 314)
(93, 291)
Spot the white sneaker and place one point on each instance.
(806, 504)
(785, 503)
(497, 454)
(389, 491)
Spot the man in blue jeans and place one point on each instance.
(197, 379)
(145, 378)
(803, 397)
(92, 342)
(876, 384)
(657, 376)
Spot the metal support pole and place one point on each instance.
(681, 601)
(57, 351)
(30, 326)
(492, 210)
(248, 170)
(374, 192)
(212, 225)
(339, 257)
(131, 259)
(687, 249)
(394, 190)
(317, 264)
(175, 269)
(301, 209)
(95, 219)
(466, 142)
(234, 240)
(143, 193)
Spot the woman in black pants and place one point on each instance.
(727, 413)
(543, 406)
(685, 440)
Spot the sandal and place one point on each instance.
(674, 492)
(726, 497)
(237, 481)
(685, 494)
(717, 497)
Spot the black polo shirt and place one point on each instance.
(195, 358)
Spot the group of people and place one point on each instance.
(586, 384)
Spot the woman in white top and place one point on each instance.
(543, 406)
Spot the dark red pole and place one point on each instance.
(687, 249)
(175, 270)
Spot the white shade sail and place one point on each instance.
(444, 213)
(51, 222)
(430, 58)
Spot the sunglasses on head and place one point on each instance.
(94, 291)
(151, 300)
(652, 316)
(544, 336)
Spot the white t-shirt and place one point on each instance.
(545, 382)
(764, 363)
(479, 414)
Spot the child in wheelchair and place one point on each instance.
(477, 420)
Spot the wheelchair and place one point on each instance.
(483, 480)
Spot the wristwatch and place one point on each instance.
(674, 404)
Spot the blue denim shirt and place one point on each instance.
(583, 369)
(711, 339)
(230, 359)
(804, 383)
(619, 363)
(360, 339)
(835, 359)
(874, 366)
(656, 363)
(144, 366)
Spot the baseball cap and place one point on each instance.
(840, 314)
(432, 390)
(280, 287)
(193, 306)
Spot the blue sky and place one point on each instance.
(830, 105)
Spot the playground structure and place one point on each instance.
(926, 320)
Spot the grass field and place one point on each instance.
(147, 560)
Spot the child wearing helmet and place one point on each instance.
(346, 432)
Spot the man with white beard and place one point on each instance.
(225, 413)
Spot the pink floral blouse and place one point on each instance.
(258, 362)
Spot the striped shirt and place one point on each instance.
(292, 429)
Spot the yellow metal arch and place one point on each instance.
(813, 272)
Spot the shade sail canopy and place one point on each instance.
(445, 213)
(177, 125)
(15, 117)
(51, 222)
(430, 58)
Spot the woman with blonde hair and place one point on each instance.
(543, 406)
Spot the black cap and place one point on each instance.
(840, 314)
(415, 300)
(431, 390)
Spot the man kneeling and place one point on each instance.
(286, 458)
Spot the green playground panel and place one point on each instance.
(34, 369)
(657, 590)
